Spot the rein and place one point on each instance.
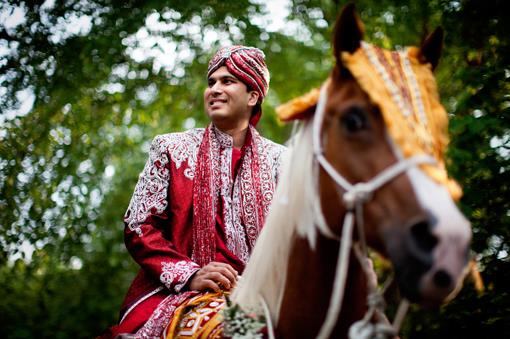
(354, 196)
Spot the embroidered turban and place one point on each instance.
(248, 65)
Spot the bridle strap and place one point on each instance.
(353, 196)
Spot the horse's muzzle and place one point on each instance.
(429, 260)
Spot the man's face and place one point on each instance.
(227, 101)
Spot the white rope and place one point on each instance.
(364, 329)
(342, 264)
(267, 314)
(316, 139)
(401, 313)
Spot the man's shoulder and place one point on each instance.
(188, 138)
(180, 147)
(272, 146)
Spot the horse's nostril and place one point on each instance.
(423, 236)
(442, 279)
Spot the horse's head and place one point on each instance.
(382, 108)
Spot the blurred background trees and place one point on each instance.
(85, 86)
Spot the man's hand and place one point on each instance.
(214, 276)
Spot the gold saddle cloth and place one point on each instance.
(199, 317)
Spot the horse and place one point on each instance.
(370, 151)
(365, 170)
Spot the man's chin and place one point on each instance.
(212, 112)
(216, 114)
(217, 117)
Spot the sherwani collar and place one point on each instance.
(225, 140)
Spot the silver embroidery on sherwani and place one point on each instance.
(160, 318)
(177, 273)
(185, 149)
(242, 219)
(150, 196)
(151, 189)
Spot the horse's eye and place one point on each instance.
(354, 120)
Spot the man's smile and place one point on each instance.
(216, 102)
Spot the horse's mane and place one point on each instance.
(293, 212)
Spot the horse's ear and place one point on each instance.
(430, 50)
(348, 32)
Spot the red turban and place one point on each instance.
(248, 65)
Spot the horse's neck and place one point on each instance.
(308, 288)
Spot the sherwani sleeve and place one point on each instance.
(145, 217)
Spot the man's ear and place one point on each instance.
(254, 98)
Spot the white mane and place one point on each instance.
(294, 211)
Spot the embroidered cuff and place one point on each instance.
(176, 274)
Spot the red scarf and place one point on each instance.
(256, 190)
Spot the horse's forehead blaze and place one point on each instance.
(406, 93)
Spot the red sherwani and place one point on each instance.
(159, 219)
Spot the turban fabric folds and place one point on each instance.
(248, 65)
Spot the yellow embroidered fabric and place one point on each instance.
(198, 318)
(405, 91)
(296, 107)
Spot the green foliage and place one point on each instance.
(68, 166)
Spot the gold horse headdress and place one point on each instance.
(405, 91)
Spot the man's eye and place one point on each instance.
(354, 120)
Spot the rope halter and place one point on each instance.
(354, 196)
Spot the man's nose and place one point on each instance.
(216, 87)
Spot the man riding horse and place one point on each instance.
(202, 197)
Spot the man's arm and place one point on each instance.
(147, 212)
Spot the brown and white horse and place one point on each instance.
(365, 167)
